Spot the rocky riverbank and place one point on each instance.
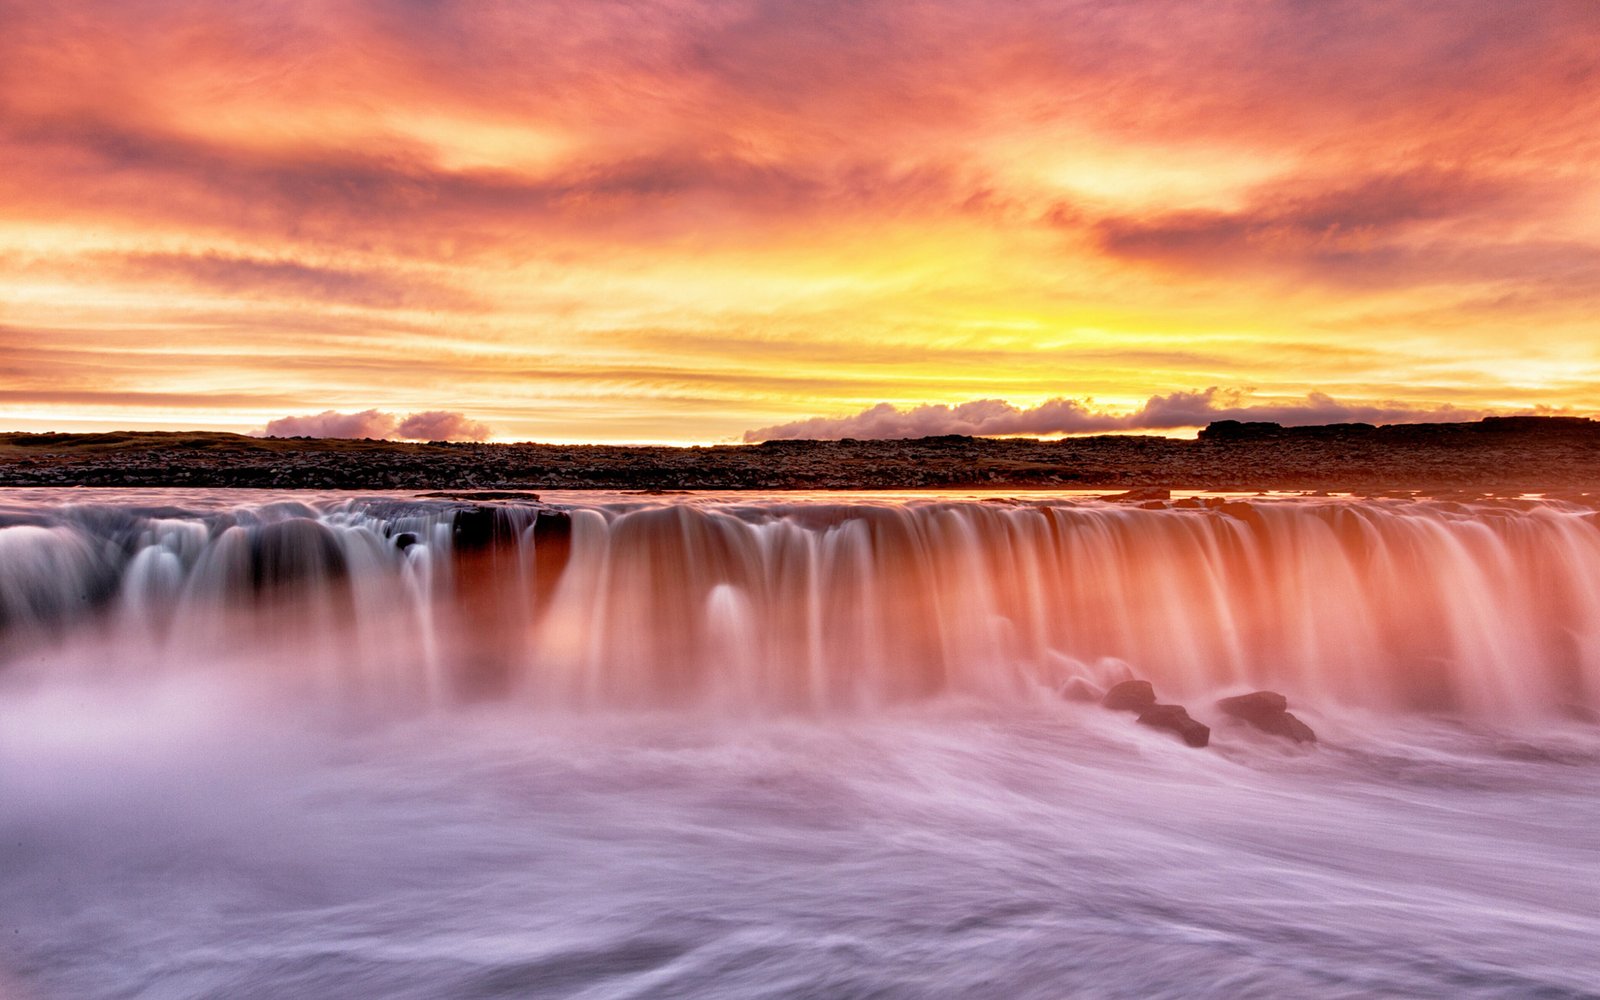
(1493, 455)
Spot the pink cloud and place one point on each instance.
(994, 417)
(442, 425)
(432, 425)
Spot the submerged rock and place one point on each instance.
(1078, 689)
(1175, 718)
(1130, 696)
(1268, 712)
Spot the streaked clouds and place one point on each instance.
(682, 219)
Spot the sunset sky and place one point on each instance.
(684, 221)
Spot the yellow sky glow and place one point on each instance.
(684, 223)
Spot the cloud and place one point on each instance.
(288, 279)
(1386, 229)
(432, 425)
(993, 417)
(442, 425)
(333, 424)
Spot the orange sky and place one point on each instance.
(682, 221)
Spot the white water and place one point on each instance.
(797, 747)
(1492, 610)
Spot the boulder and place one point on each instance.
(1254, 705)
(1078, 689)
(1286, 725)
(1175, 718)
(1130, 696)
(1268, 712)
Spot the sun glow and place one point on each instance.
(597, 227)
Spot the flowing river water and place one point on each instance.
(809, 745)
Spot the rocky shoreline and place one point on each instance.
(1507, 454)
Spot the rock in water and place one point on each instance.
(1078, 689)
(1286, 725)
(1268, 712)
(1130, 696)
(1254, 705)
(1176, 719)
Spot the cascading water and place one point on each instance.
(758, 748)
(781, 605)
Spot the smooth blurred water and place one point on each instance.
(276, 794)
(819, 603)
(199, 840)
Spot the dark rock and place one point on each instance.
(480, 527)
(1268, 712)
(1235, 430)
(1143, 493)
(552, 550)
(1242, 511)
(1130, 696)
(1175, 718)
(1286, 725)
(284, 554)
(1078, 689)
(1535, 424)
(404, 540)
(1255, 704)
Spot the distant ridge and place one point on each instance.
(1233, 430)
(1516, 454)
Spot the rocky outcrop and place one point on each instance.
(1175, 719)
(1268, 711)
(1130, 696)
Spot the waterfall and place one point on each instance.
(816, 604)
